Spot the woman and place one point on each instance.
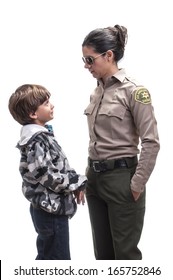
(120, 115)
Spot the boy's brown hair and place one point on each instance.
(26, 100)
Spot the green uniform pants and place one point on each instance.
(116, 218)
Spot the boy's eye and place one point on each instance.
(46, 102)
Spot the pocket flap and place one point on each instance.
(115, 110)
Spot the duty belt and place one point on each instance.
(105, 165)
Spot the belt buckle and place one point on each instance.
(99, 166)
(96, 165)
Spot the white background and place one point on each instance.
(40, 42)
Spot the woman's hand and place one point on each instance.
(136, 195)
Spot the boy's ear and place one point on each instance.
(33, 116)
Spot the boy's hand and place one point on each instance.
(79, 196)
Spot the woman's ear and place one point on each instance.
(110, 54)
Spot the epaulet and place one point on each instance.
(133, 81)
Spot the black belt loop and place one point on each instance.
(105, 165)
(131, 161)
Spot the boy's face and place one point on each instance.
(44, 113)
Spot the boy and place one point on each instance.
(48, 181)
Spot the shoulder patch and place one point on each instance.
(142, 95)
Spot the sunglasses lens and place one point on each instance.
(89, 60)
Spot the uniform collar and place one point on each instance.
(118, 76)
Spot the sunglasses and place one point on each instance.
(90, 59)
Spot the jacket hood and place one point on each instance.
(27, 131)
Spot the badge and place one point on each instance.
(142, 95)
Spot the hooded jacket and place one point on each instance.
(48, 179)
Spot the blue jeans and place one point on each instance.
(53, 235)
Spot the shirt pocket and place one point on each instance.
(89, 110)
(116, 110)
(110, 121)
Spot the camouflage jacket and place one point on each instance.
(48, 180)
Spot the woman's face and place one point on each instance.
(97, 68)
(99, 65)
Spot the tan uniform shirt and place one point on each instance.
(120, 115)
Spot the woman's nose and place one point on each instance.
(87, 66)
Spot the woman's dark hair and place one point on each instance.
(109, 38)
